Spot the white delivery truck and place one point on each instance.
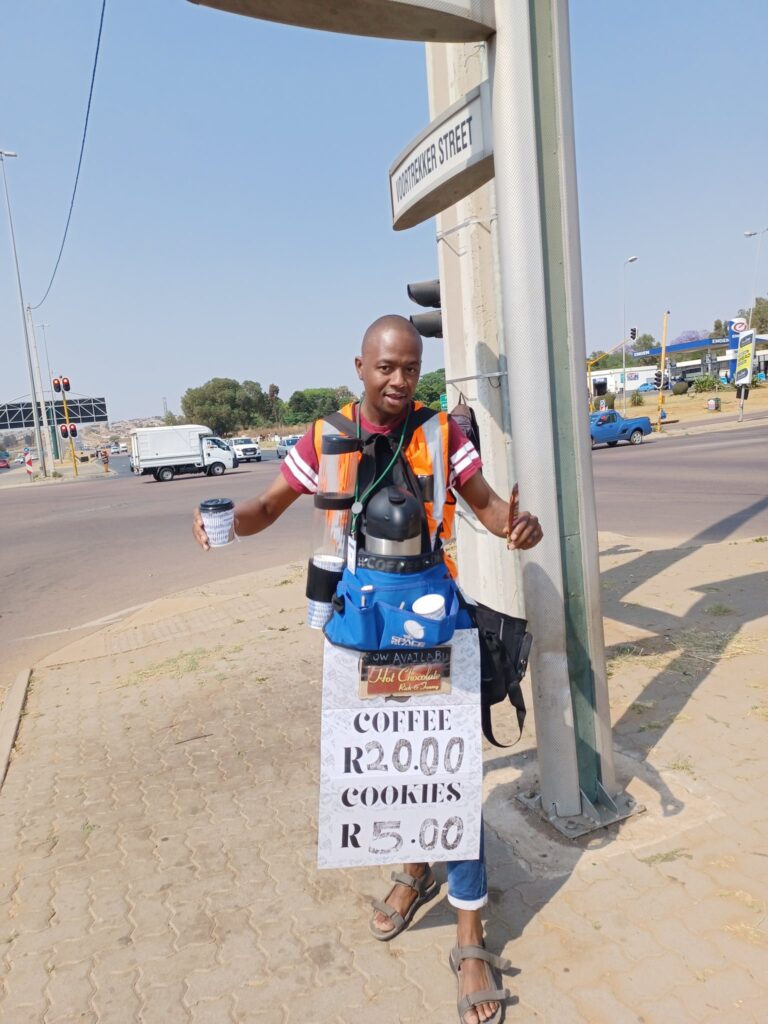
(166, 451)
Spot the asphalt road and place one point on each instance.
(700, 489)
(77, 555)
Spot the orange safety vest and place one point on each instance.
(427, 455)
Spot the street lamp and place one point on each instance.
(5, 154)
(52, 417)
(751, 234)
(630, 259)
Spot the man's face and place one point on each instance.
(389, 369)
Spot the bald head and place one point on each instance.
(390, 326)
(389, 365)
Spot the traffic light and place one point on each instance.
(56, 385)
(657, 379)
(64, 430)
(633, 334)
(72, 430)
(65, 383)
(427, 293)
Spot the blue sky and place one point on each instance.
(233, 216)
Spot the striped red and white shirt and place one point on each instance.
(300, 467)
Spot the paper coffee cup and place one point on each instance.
(218, 516)
(430, 606)
(333, 563)
(318, 613)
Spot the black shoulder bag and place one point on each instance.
(505, 646)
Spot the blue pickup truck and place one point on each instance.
(610, 427)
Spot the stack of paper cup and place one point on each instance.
(219, 520)
(430, 606)
(319, 612)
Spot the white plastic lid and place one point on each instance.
(429, 605)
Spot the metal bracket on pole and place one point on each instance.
(490, 377)
(469, 222)
(606, 810)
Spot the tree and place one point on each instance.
(759, 315)
(430, 387)
(216, 404)
(643, 343)
(719, 329)
(344, 396)
(275, 405)
(172, 420)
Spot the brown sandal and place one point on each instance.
(487, 995)
(426, 888)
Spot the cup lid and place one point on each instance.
(216, 505)
(428, 604)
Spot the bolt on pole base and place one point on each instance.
(606, 810)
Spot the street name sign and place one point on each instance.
(401, 764)
(432, 21)
(444, 163)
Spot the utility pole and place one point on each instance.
(35, 414)
(39, 387)
(52, 418)
(630, 259)
(663, 358)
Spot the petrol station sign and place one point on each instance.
(744, 358)
(430, 21)
(452, 157)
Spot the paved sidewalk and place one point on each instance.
(158, 825)
(65, 474)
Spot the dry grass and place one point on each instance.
(689, 409)
(172, 668)
(711, 646)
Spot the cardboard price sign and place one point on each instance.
(401, 769)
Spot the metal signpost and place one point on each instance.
(519, 127)
(744, 359)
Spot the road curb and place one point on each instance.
(10, 716)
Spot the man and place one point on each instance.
(389, 366)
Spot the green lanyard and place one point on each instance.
(357, 507)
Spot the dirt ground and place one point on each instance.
(693, 406)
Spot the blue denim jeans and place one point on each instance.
(467, 882)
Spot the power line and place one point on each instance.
(80, 159)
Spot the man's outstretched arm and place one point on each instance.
(501, 518)
(255, 514)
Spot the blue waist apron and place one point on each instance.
(381, 619)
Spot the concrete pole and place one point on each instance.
(466, 267)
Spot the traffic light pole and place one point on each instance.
(538, 230)
(69, 432)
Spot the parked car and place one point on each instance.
(610, 427)
(245, 448)
(285, 445)
(648, 386)
(5, 464)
